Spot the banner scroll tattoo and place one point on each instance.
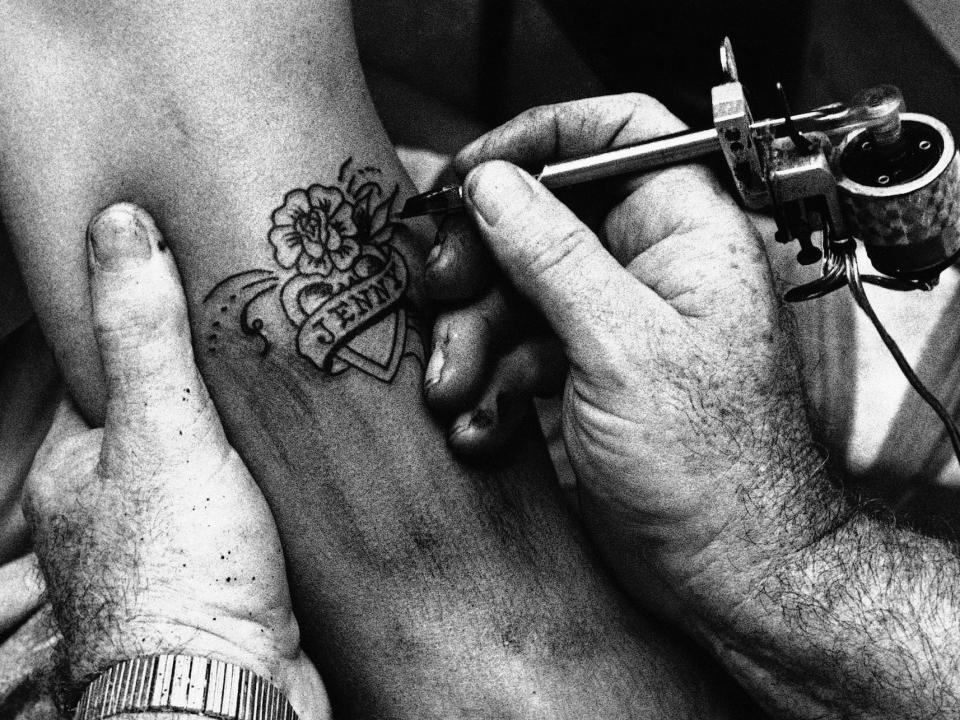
(340, 316)
(341, 283)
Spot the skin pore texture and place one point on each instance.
(699, 477)
(423, 587)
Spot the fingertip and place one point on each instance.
(465, 341)
(489, 426)
(121, 235)
(67, 421)
(459, 267)
(497, 190)
(472, 432)
(457, 364)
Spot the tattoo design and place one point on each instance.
(340, 283)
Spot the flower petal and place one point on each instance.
(328, 199)
(287, 245)
(316, 266)
(313, 248)
(342, 220)
(344, 256)
(295, 204)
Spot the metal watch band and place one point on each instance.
(183, 683)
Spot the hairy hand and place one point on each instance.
(681, 381)
(151, 533)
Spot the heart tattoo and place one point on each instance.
(341, 283)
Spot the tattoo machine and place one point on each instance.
(863, 171)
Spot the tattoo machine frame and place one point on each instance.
(865, 171)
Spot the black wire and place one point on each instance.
(860, 296)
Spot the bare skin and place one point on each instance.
(424, 587)
(683, 415)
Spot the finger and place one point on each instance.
(659, 203)
(464, 343)
(22, 587)
(67, 423)
(459, 266)
(154, 392)
(67, 444)
(534, 369)
(553, 259)
(565, 130)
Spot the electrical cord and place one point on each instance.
(860, 297)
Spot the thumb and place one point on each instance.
(154, 390)
(552, 258)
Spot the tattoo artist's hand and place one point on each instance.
(151, 533)
(680, 377)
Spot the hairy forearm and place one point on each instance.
(821, 608)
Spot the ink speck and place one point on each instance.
(216, 324)
(223, 308)
(232, 298)
(212, 338)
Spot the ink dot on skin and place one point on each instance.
(162, 246)
(223, 308)
(232, 298)
(212, 338)
(228, 579)
(216, 324)
(223, 557)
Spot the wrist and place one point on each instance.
(290, 671)
(173, 684)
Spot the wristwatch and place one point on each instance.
(183, 683)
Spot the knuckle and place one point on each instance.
(641, 102)
(559, 251)
(54, 469)
(140, 322)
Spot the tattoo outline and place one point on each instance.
(340, 282)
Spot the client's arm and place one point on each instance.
(425, 588)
